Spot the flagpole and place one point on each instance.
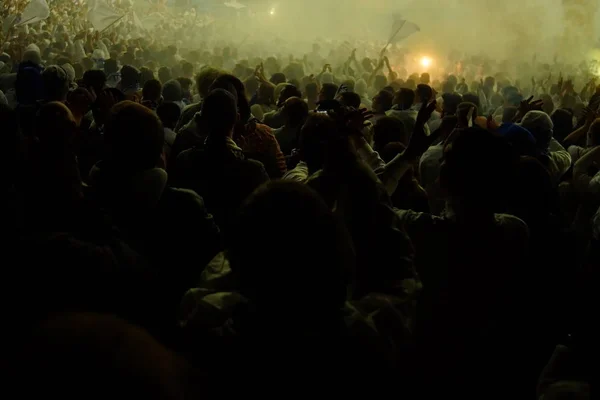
(114, 22)
(392, 37)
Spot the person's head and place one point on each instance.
(219, 113)
(130, 76)
(260, 275)
(111, 66)
(563, 123)
(404, 98)
(327, 92)
(349, 99)
(593, 139)
(146, 74)
(277, 78)
(423, 93)
(382, 102)
(541, 127)
(295, 111)
(475, 172)
(448, 87)
(450, 103)
(287, 92)
(187, 69)
(94, 79)
(164, 74)
(472, 98)
(56, 83)
(242, 101)
(425, 78)
(314, 138)
(387, 130)
(205, 79)
(105, 99)
(172, 91)
(169, 114)
(266, 94)
(513, 99)
(133, 137)
(361, 87)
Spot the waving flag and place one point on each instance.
(101, 16)
(35, 11)
(401, 29)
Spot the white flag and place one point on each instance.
(234, 4)
(101, 16)
(401, 29)
(35, 11)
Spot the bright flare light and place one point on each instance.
(426, 62)
(272, 12)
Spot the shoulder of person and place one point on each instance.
(182, 199)
(514, 226)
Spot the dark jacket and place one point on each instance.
(169, 226)
(222, 175)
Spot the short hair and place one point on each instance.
(152, 90)
(387, 130)
(404, 98)
(477, 168)
(295, 111)
(386, 99)
(164, 74)
(424, 92)
(260, 275)
(56, 83)
(451, 102)
(134, 136)
(472, 98)
(130, 75)
(349, 99)
(172, 91)
(186, 83)
(219, 112)
(277, 78)
(204, 80)
(95, 79)
(169, 114)
(514, 99)
(329, 91)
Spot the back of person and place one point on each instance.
(219, 172)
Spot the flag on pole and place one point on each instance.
(101, 16)
(35, 11)
(401, 29)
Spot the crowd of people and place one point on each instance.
(179, 222)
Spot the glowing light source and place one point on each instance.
(426, 62)
(272, 12)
